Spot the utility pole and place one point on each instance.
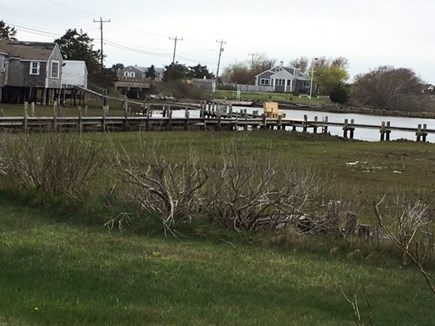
(314, 62)
(252, 58)
(176, 39)
(221, 49)
(101, 21)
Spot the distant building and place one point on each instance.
(137, 72)
(30, 71)
(75, 73)
(205, 84)
(284, 80)
(132, 81)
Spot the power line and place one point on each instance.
(101, 21)
(175, 46)
(221, 49)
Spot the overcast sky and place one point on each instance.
(368, 33)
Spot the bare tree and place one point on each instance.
(388, 88)
(301, 63)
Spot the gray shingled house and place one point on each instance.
(132, 81)
(30, 71)
(284, 80)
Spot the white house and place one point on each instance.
(74, 73)
(284, 79)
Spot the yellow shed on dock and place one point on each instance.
(271, 110)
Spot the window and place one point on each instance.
(34, 67)
(306, 84)
(126, 74)
(132, 74)
(264, 81)
(55, 69)
(280, 82)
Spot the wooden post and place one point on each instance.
(32, 109)
(419, 133)
(103, 120)
(230, 111)
(219, 117)
(351, 129)
(54, 116)
(186, 116)
(424, 133)
(168, 124)
(264, 121)
(387, 131)
(305, 127)
(79, 120)
(25, 116)
(86, 110)
(325, 127)
(316, 119)
(125, 106)
(382, 131)
(279, 125)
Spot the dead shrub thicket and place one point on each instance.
(155, 184)
(244, 193)
(60, 165)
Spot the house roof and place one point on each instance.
(145, 69)
(27, 50)
(280, 71)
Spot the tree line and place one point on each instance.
(384, 87)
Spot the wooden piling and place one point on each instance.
(25, 116)
(80, 121)
(279, 123)
(305, 123)
(54, 116)
(385, 131)
(32, 108)
(125, 106)
(315, 125)
(420, 133)
(325, 127)
(186, 116)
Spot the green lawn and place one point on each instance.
(55, 270)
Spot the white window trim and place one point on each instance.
(132, 74)
(58, 69)
(264, 81)
(126, 74)
(38, 68)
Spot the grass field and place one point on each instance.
(61, 265)
(55, 270)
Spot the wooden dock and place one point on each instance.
(206, 117)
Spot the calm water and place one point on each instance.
(360, 133)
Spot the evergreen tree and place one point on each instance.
(7, 32)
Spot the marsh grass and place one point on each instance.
(62, 265)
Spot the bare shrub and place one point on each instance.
(407, 223)
(248, 193)
(54, 164)
(155, 184)
(240, 192)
